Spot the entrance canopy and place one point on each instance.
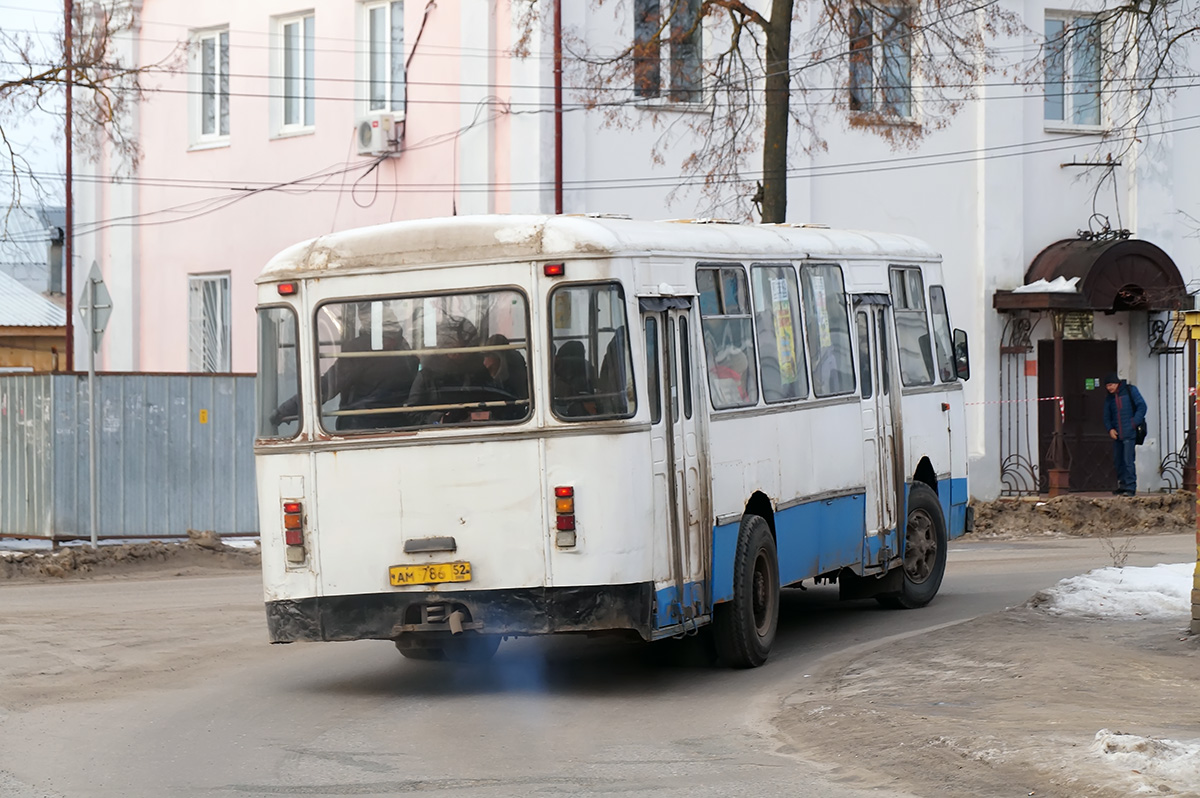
(1120, 274)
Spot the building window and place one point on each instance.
(1072, 66)
(684, 39)
(881, 60)
(209, 335)
(295, 70)
(212, 51)
(385, 55)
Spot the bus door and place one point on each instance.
(681, 494)
(879, 430)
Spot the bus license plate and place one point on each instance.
(430, 574)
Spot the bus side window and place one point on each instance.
(912, 326)
(591, 376)
(728, 336)
(777, 317)
(685, 364)
(827, 324)
(653, 370)
(941, 333)
(865, 387)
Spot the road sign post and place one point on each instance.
(95, 306)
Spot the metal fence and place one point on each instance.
(174, 452)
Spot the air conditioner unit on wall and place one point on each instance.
(377, 134)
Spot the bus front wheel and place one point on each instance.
(745, 627)
(925, 545)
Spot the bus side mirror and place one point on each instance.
(962, 359)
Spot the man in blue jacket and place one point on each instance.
(1124, 410)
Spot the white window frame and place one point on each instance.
(210, 334)
(877, 60)
(393, 96)
(664, 92)
(1067, 78)
(200, 84)
(302, 83)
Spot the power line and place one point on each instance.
(745, 177)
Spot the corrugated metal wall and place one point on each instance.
(174, 452)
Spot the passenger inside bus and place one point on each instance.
(364, 383)
(613, 383)
(454, 378)
(508, 378)
(574, 382)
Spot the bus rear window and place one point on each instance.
(451, 359)
(592, 373)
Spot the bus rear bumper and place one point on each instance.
(527, 611)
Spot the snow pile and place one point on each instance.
(1059, 285)
(1160, 760)
(1161, 592)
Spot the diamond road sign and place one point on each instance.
(103, 304)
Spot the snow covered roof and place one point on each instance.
(497, 238)
(22, 307)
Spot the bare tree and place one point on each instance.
(780, 71)
(105, 88)
(783, 70)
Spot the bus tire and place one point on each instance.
(925, 543)
(424, 654)
(744, 628)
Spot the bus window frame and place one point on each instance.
(550, 352)
(748, 314)
(301, 415)
(408, 430)
(898, 310)
(847, 306)
(799, 333)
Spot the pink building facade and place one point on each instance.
(249, 143)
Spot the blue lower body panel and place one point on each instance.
(811, 538)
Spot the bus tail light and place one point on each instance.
(564, 522)
(293, 531)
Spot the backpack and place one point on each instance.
(1139, 432)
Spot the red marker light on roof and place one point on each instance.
(554, 270)
(286, 289)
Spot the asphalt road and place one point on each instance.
(154, 687)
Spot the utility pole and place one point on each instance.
(69, 232)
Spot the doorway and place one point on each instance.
(1088, 446)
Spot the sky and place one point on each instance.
(36, 136)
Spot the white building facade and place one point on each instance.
(253, 144)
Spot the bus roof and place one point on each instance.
(500, 238)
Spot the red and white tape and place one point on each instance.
(1062, 405)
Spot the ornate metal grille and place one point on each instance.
(1018, 408)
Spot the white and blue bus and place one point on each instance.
(494, 426)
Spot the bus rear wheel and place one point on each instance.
(744, 628)
(925, 545)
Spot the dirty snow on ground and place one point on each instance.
(1151, 759)
(1160, 592)
(10, 546)
(1129, 593)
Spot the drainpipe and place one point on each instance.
(558, 109)
(69, 232)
